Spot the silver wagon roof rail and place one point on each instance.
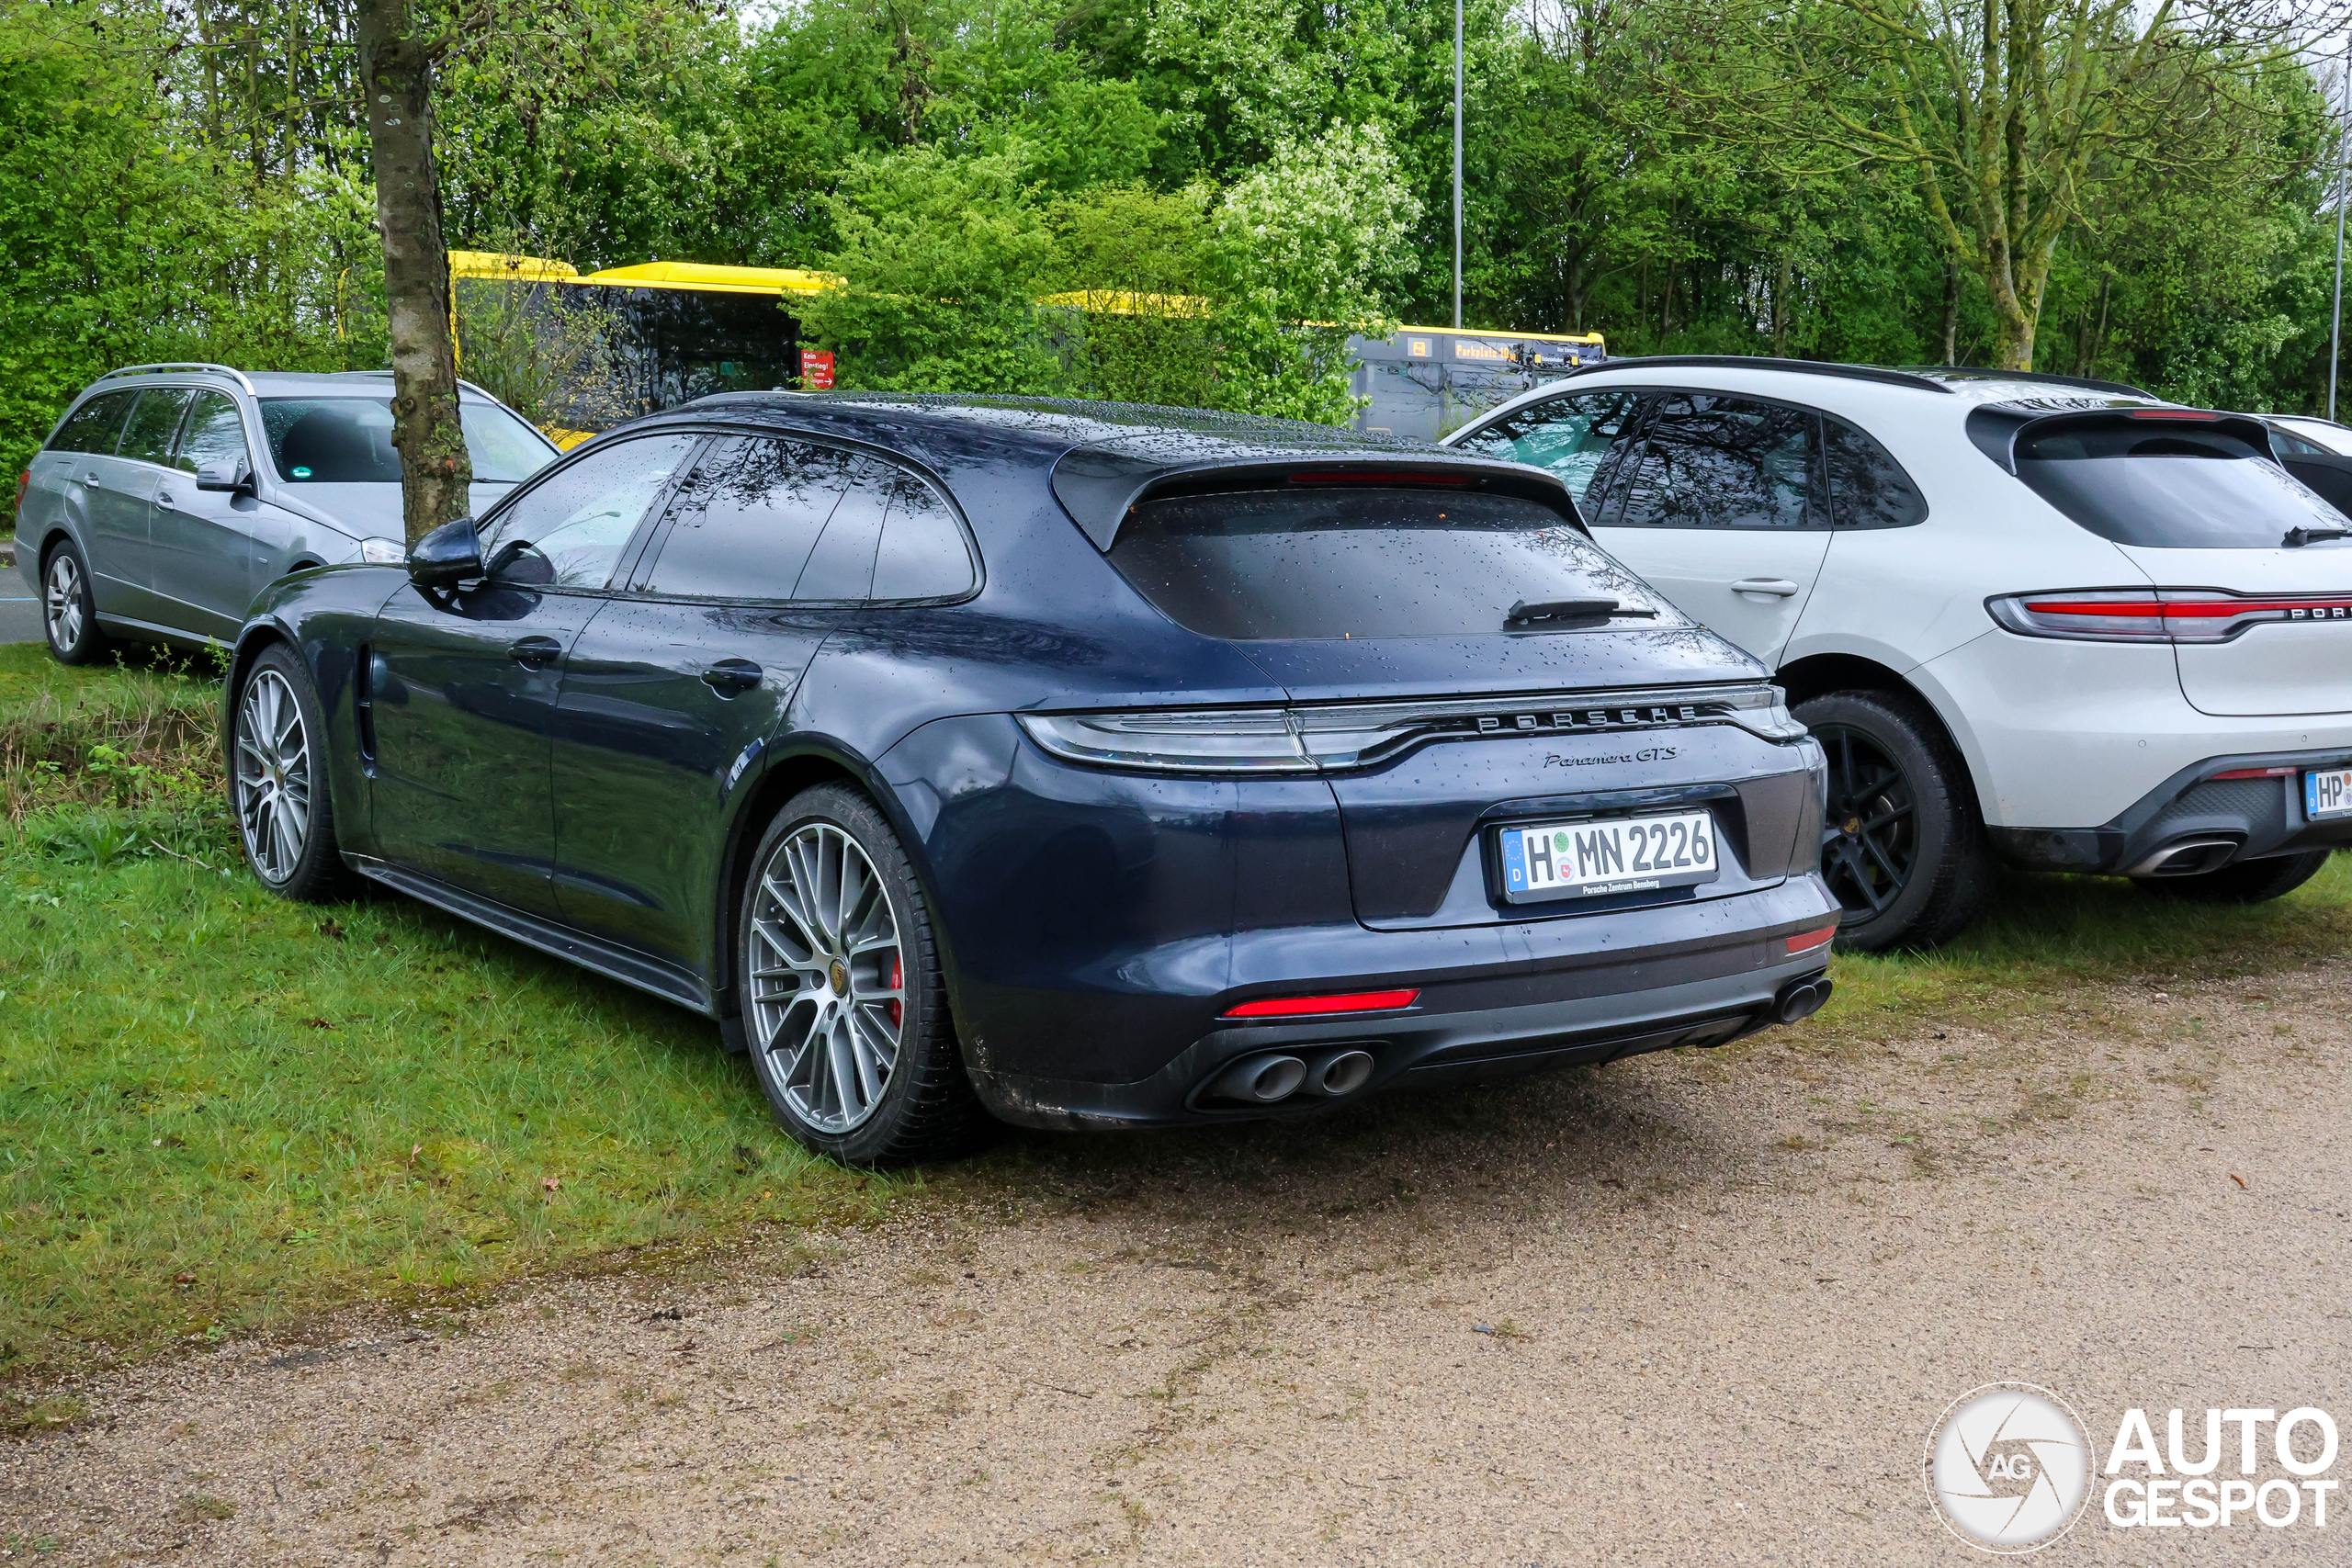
(183, 364)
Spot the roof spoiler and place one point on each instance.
(1995, 427)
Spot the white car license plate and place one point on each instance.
(2327, 794)
(1612, 854)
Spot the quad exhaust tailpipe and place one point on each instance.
(1266, 1078)
(1801, 998)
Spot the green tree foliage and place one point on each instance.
(132, 237)
(1225, 188)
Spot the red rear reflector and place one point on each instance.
(1808, 940)
(2258, 773)
(1451, 481)
(1308, 1007)
(24, 483)
(2175, 413)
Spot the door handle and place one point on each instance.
(1778, 587)
(729, 676)
(164, 498)
(536, 652)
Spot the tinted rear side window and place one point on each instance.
(2168, 487)
(1868, 488)
(95, 427)
(742, 523)
(1347, 563)
(1714, 462)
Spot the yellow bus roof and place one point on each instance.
(709, 278)
(714, 278)
(492, 263)
(1500, 333)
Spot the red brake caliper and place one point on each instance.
(898, 983)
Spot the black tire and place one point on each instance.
(265, 787)
(69, 607)
(1903, 848)
(816, 995)
(2250, 882)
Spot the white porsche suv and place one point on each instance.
(2057, 622)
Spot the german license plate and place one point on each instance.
(1615, 854)
(2327, 794)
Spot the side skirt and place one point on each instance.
(671, 984)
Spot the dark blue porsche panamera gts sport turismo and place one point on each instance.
(1076, 764)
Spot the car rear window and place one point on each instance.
(2169, 485)
(349, 441)
(1354, 562)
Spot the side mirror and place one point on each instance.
(231, 474)
(449, 555)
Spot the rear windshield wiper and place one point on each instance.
(2296, 536)
(1553, 611)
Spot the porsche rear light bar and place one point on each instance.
(1325, 1007)
(2158, 614)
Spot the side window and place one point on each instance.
(155, 424)
(743, 524)
(1716, 462)
(923, 553)
(1570, 435)
(2287, 444)
(842, 566)
(569, 529)
(1868, 488)
(215, 432)
(95, 427)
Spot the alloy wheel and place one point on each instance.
(62, 601)
(273, 776)
(1870, 837)
(828, 978)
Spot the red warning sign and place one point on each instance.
(816, 370)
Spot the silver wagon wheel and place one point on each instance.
(273, 776)
(828, 978)
(63, 599)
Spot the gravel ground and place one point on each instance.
(1700, 1307)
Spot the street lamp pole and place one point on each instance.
(1459, 170)
(2336, 327)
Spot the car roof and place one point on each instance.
(1057, 424)
(1101, 456)
(1930, 392)
(267, 383)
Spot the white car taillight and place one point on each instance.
(2157, 615)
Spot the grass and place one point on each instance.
(221, 1112)
(2047, 938)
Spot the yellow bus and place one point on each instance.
(661, 334)
(1430, 381)
(630, 340)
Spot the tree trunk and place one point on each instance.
(1951, 311)
(396, 74)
